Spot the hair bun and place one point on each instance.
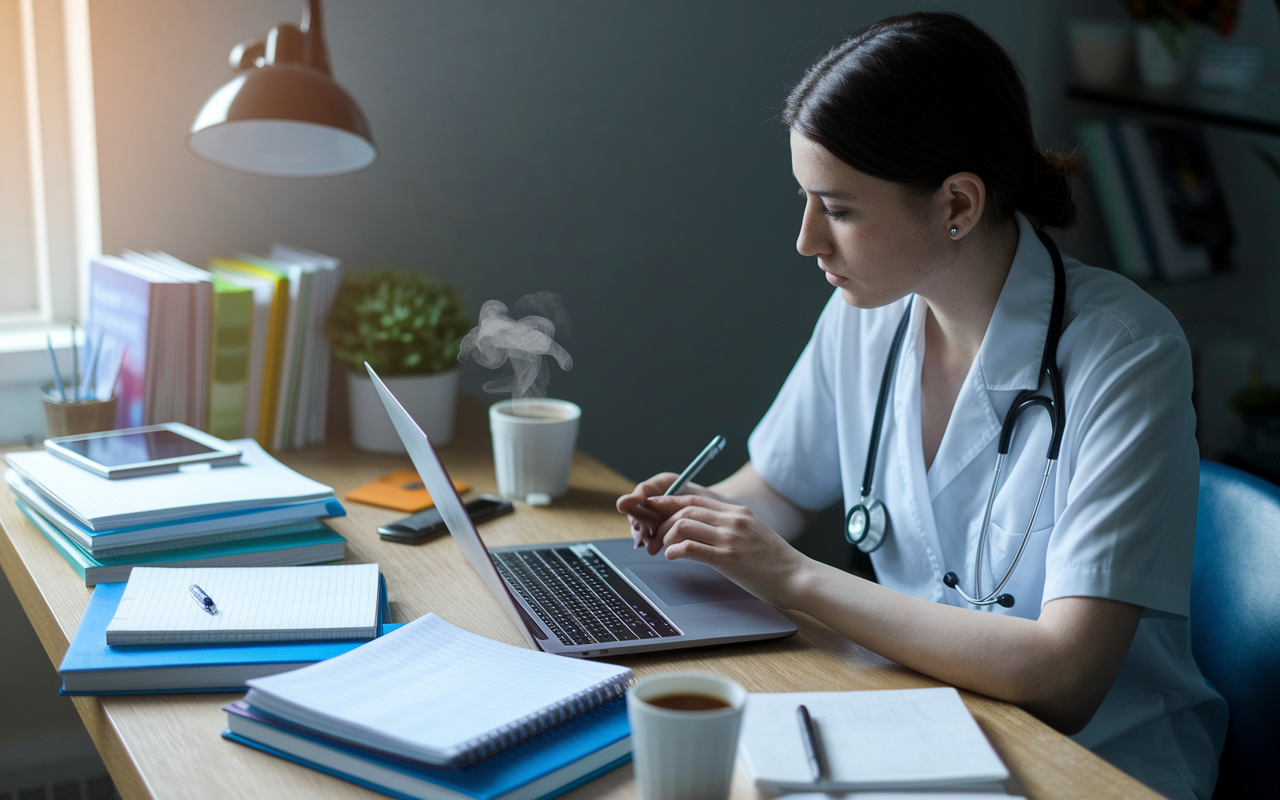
(1045, 196)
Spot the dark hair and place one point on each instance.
(915, 98)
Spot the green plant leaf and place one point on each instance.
(402, 323)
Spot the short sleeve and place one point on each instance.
(795, 448)
(1127, 531)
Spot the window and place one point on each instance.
(49, 221)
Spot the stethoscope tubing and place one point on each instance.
(868, 539)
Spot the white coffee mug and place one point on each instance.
(533, 442)
(684, 755)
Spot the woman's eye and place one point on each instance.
(829, 214)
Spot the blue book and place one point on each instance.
(92, 667)
(294, 545)
(567, 756)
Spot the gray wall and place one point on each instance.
(624, 155)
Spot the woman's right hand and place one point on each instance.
(643, 517)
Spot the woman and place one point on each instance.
(924, 191)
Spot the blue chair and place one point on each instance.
(1235, 624)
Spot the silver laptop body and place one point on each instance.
(597, 598)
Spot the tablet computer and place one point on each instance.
(151, 449)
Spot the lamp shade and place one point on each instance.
(284, 120)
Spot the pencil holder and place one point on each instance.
(70, 418)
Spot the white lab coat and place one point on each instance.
(1118, 515)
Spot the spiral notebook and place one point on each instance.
(437, 694)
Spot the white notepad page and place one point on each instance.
(432, 692)
(901, 738)
(254, 604)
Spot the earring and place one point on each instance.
(954, 230)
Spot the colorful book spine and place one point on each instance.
(120, 311)
(229, 373)
(276, 335)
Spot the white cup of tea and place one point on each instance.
(533, 442)
(684, 735)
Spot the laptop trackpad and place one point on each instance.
(683, 582)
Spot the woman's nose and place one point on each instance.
(813, 239)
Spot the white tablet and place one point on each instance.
(148, 450)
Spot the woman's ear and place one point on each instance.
(966, 196)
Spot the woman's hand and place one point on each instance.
(731, 539)
(644, 518)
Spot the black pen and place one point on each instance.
(810, 739)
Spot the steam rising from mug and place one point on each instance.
(524, 341)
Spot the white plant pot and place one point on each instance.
(429, 399)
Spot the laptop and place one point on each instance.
(597, 598)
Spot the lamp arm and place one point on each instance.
(315, 52)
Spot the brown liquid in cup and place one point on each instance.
(688, 702)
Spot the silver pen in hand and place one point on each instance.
(704, 458)
(709, 452)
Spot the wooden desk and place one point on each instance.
(169, 745)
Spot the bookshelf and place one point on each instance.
(1185, 108)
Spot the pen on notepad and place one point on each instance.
(205, 601)
(810, 739)
(709, 452)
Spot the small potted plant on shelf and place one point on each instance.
(1163, 26)
(408, 327)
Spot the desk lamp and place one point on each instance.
(284, 115)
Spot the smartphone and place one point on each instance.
(427, 524)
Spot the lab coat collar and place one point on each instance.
(1014, 343)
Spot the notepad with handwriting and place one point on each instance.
(892, 739)
(252, 604)
(437, 694)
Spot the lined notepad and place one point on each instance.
(254, 604)
(437, 694)
(893, 739)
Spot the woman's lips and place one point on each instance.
(834, 279)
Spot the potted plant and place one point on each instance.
(408, 327)
(1163, 26)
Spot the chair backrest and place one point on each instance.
(1235, 623)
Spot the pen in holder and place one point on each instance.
(67, 413)
(72, 417)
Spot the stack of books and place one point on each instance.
(1161, 200)
(237, 350)
(432, 711)
(259, 513)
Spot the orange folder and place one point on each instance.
(401, 490)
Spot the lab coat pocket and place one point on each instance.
(1026, 584)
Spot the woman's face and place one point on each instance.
(873, 241)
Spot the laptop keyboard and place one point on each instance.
(580, 597)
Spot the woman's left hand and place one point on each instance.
(731, 539)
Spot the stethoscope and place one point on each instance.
(867, 523)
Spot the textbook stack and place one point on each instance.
(237, 350)
(1161, 200)
(259, 513)
(432, 711)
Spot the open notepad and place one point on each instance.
(437, 694)
(894, 739)
(253, 604)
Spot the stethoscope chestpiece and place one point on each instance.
(866, 525)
